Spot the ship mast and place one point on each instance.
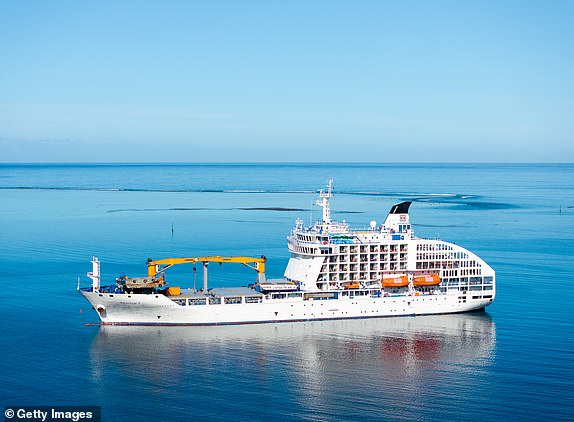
(323, 202)
(95, 274)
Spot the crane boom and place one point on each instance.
(160, 265)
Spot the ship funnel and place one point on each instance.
(402, 208)
(398, 219)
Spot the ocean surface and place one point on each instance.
(513, 362)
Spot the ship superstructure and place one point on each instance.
(334, 272)
(330, 256)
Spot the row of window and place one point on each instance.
(434, 247)
(374, 248)
(383, 257)
(217, 300)
(374, 274)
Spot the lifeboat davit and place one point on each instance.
(427, 280)
(399, 281)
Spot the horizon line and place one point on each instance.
(190, 163)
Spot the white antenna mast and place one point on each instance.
(323, 202)
(95, 274)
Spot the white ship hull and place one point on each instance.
(145, 309)
(334, 272)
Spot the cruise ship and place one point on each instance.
(334, 272)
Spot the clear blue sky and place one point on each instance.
(386, 81)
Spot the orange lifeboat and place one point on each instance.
(427, 280)
(353, 285)
(399, 281)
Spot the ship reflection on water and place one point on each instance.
(307, 366)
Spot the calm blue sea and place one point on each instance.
(513, 362)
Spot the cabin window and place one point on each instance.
(234, 300)
(252, 299)
(475, 280)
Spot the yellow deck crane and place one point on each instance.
(159, 266)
